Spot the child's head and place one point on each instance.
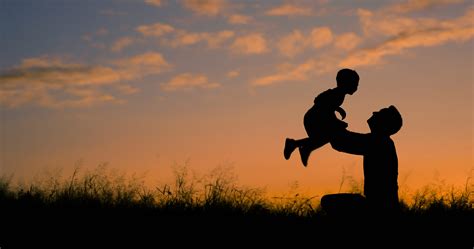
(348, 80)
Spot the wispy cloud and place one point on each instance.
(292, 44)
(122, 43)
(188, 81)
(250, 44)
(417, 5)
(389, 28)
(294, 73)
(296, 42)
(347, 41)
(56, 83)
(156, 29)
(174, 37)
(233, 73)
(215, 40)
(206, 7)
(289, 10)
(127, 89)
(391, 21)
(239, 19)
(142, 65)
(156, 3)
(186, 38)
(321, 36)
(397, 45)
(405, 33)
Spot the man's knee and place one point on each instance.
(343, 204)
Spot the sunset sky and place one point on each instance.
(145, 85)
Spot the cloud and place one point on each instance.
(288, 10)
(38, 80)
(397, 45)
(127, 89)
(206, 7)
(390, 21)
(233, 74)
(293, 73)
(56, 83)
(141, 65)
(347, 41)
(296, 42)
(185, 38)
(188, 81)
(239, 19)
(156, 3)
(382, 24)
(250, 44)
(55, 72)
(427, 33)
(292, 44)
(417, 5)
(321, 37)
(216, 39)
(122, 43)
(156, 29)
(180, 37)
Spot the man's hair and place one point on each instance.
(347, 76)
(395, 120)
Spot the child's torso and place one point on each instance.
(329, 99)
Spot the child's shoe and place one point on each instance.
(304, 153)
(289, 148)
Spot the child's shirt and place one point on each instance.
(329, 100)
(322, 115)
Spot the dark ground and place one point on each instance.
(93, 228)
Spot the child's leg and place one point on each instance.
(292, 144)
(307, 145)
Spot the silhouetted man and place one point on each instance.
(380, 157)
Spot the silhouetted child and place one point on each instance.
(320, 120)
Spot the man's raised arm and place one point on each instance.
(350, 142)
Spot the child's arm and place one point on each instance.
(341, 111)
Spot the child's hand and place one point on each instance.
(340, 125)
(342, 112)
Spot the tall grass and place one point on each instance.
(214, 194)
(440, 199)
(88, 204)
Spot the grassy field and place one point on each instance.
(87, 205)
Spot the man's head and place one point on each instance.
(348, 80)
(387, 121)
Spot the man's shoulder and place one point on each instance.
(386, 140)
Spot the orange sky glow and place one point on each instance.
(145, 85)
